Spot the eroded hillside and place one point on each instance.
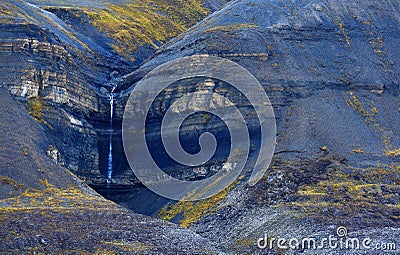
(331, 71)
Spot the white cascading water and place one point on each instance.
(110, 158)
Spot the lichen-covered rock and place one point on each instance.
(331, 71)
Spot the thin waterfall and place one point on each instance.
(110, 157)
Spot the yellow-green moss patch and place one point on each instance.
(146, 22)
(193, 211)
(8, 181)
(127, 246)
(36, 105)
(393, 153)
(360, 187)
(230, 28)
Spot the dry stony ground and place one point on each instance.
(44, 209)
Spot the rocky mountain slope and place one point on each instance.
(67, 55)
(331, 71)
(133, 29)
(46, 209)
(56, 74)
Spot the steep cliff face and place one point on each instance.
(67, 56)
(46, 209)
(56, 120)
(319, 62)
(331, 71)
(44, 62)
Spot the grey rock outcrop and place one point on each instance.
(58, 55)
(331, 71)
